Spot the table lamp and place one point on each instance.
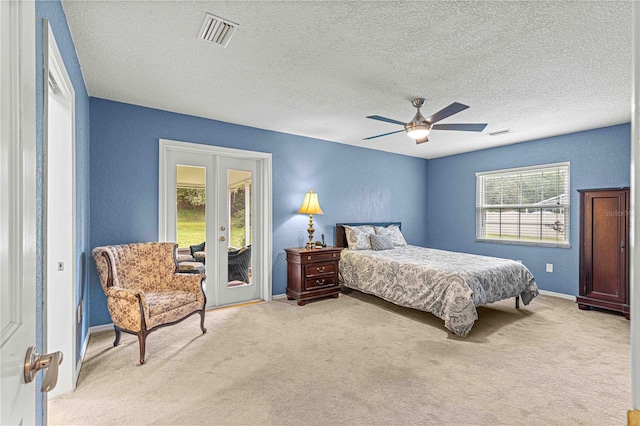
(310, 206)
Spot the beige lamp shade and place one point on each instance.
(310, 205)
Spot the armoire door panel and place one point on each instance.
(605, 265)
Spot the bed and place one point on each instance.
(447, 284)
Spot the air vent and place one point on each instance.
(500, 132)
(217, 30)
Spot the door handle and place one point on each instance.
(223, 238)
(34, 362)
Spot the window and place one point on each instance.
(526, 205)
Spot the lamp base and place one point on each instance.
(310, 245)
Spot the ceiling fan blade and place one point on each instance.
(423, 140)
(384, 134)
(463, 127)
(388, 120)
(454, 108)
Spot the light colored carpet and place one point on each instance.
(359, 360)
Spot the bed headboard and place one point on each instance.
(341, 239)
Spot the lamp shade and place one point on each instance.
(310, 205)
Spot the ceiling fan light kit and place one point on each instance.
(419, 128)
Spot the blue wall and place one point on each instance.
(354, 184)
(599, 159)
(54, 13)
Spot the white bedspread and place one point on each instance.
(448, 284)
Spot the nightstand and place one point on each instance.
(312, 273)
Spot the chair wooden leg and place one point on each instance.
(142, 338)
(116, 342)
(204, 330)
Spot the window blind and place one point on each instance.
(527, 205)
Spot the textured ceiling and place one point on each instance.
(318, 68)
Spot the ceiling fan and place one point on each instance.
(419, 127)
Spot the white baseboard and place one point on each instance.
(278, 296)
(85, 344)
(99, 328)
(83, 352)
(560, 295)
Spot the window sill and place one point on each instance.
(523, 243)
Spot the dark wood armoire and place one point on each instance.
(604, 249)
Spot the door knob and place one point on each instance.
(223, 238)
(222, 228)
(34, 362)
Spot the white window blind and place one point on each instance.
(526, 205)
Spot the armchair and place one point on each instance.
(198, 252)
(144, 291)
(239, 263)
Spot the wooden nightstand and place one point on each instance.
(312, 273)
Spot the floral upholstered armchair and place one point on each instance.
(143, 290)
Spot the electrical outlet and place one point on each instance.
(549, 267)
(60, 266)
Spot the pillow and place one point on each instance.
(198, 247)
(394, 232)
(358, 237)
(381, 242)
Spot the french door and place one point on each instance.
(211, 211)
(234, 230)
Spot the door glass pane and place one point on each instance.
(191, 213)
(240, 229)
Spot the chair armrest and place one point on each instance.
(123, 293)
(189, 282)
(127, 308)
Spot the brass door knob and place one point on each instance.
(223, 238)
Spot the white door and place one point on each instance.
(208, 200)
(59, 211)
(17, 208)
(236, 276)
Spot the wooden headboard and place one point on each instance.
(341, 239)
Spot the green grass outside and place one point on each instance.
(192, 229)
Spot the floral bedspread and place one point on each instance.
(448, 284)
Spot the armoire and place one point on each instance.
(604, 249)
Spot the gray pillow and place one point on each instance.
(394, 232)
(358, 237)
(381, 242)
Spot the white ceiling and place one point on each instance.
(318, 68)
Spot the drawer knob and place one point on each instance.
(320, 270)
(308, 257)
(334, 255)
(320, 282)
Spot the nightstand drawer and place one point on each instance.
(318, 282)
(319, 256)
(319, 269)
